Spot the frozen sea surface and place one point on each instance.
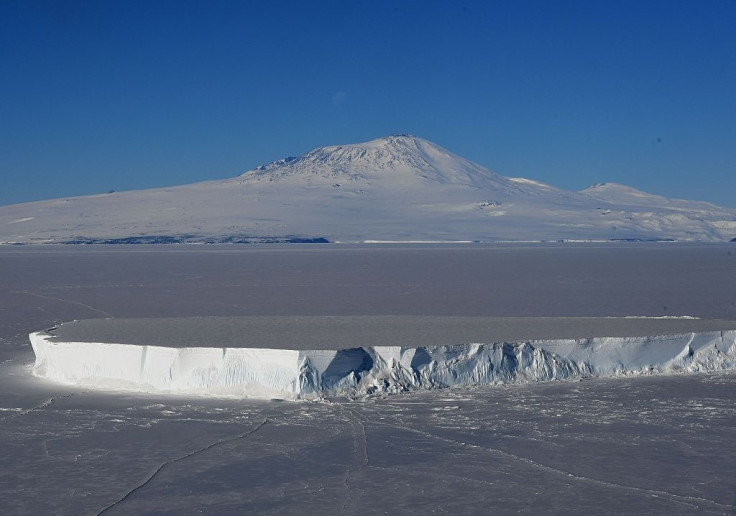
(656, 444)
(649, 445)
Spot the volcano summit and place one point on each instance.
(398, 188)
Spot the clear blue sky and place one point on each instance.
(100, 95)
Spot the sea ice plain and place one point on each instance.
(654, 444)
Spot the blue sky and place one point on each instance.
(124, 95)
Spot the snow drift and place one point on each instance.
(284, 373)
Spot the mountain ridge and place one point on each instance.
(398, 154)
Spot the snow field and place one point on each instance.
(395, 189)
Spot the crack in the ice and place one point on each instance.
(682, 499)
(359, 448)
(364, 438)
(79, 303)
(161, 467)
(38, 407)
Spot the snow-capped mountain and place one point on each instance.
(399, 159)
(398, 188)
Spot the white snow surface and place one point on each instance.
(398, 188)
(361, 371)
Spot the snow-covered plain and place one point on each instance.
(399, 188)
(429, 358)
(662, 444)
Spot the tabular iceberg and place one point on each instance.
(360, 371)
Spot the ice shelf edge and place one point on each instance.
(292, 374)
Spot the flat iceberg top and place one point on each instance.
(347, 332)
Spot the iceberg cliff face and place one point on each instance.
(283, 373)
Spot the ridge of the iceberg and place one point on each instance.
(371, 370)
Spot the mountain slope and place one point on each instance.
(395, 188)
(401, 159)
(626, 195)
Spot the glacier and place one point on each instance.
(370, 370)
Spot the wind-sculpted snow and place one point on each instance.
(361, 371)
